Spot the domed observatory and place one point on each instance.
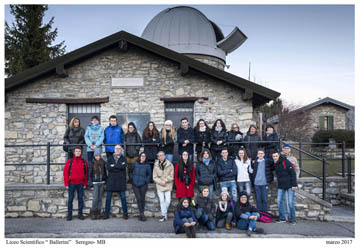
(188, 31)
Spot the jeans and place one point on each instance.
(244, 224)
(221, 222)
(165, 198)
(90, 168)
(288, 196)
(108, 202)
(232, 186)
(204, 219)
(244, 186)
(169, 157)
(140, 193)
(211, 189)
(98, 195)
(80, 193)
(261, 192)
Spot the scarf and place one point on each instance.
(162, 164)
(218, 129)
(116, 157)
(223, 205)
(206, 161)
(202, 129)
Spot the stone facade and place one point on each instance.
(213, 61)
(35, 123)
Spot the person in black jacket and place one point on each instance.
(140, 174)
(224, 211)
(205, 209)
(132, 151)
(151, 139)
(246, 215)
(261, 177)
(74, 135)
(168, 138)
(218, 138)
(185, 219)
(234, 135)
(286, 177)
(250, 142)
(227, 173)
(205, 172)
(202, 135)
(185, 138)
(116, 181)
(271, 135)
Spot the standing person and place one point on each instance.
(286, 177)
(286, 151)
(224, 211)
(113, 135)
(168, 138)
(250, 142)
(94, 137)
(205, 209)
(261, 177)
(205, 172)
(218, 139)
(185, 136)
(246, 215)
(184, 177)
(74, 135)
(116, 182)
(163, 175)
(184, 219)
(202, 136)
(243, 164)
(151, 139)
(271, 135)
(99, 179)
(227, 173)
(132, 151)
(234, 135)
(75, 178)
(140, 174)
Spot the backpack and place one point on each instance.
(71, 162)
(266, 217)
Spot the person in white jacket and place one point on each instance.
(243, 167)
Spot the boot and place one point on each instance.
(193, 231)
(97, 214)
(92, 214)
(125, 216)
(188, 232)
(101, 215)
(228, 226)
(106, 216)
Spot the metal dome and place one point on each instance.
(187, 30)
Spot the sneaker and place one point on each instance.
(164, 218)
(248, 232)
(281, 221)
(69, 217)
(292, 222)
(81, 217)
(259, 230)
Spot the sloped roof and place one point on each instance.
(326, 100)
(260, 94)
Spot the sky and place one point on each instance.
(305, 52)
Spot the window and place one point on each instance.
(326, 122)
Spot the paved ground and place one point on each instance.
(120, 228)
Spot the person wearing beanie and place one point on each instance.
(98, 179)
(132, 151)
(205, 172)
(185, 219)
(246, 215)
(224, 211)
(205, 209)
(168, 137)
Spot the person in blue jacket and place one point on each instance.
(94, 137)
(227, 173)
(184, 219)
(113, 135)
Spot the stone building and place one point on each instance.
(137, 78)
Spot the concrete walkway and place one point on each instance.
(132, 228)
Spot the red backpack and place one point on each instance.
(266, 217)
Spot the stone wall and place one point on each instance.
(213, 61)
(333, 152)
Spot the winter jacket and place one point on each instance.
(271, 147)
(99, 171)
(268, 171)
(74, 136)
(222, 214)
(201, 137)
(132, 150)
(251, 148)
(205, 174)
(181, 190)
(116, 181)
(77, 174)
(183, 135)
(165, 175)
(151, 150)
(294, 161)
(233, 148)
(285, 173)
(242, 208)
(179, 215)
(226, 170)
(113, 135)
(217, 136)
(243, 170)
(140, 174)
(206, 204)
(94, 135)
(167, 146)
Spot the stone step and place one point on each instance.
(350, 219)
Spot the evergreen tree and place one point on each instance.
(29, 42)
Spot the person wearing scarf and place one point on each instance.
(184, 177)
(224, 211)
(206, 172)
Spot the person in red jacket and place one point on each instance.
(75, 178)
(184, 177)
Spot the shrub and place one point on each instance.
(339, 135)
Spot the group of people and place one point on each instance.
(224, 157)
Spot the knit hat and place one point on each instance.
(224, 191)
(286, 145)
(97, 152)
(168, 122)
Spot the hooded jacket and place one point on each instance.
(205, 174)
(132, 151)
(140, 174)
(241, 208)
(285, 173)
(94, 135)
(183, 135)
(226, 170)
(180, 214)
(251, 148)
(113, 135)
